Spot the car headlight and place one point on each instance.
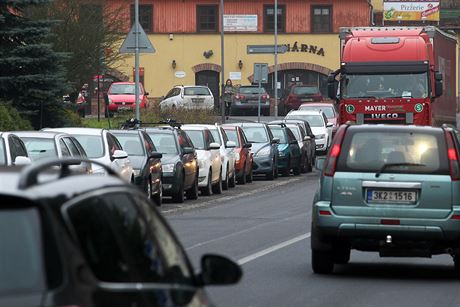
(110, 101)
(264, 152)
(168, 168)
(136, 172)
(237, 156)
(320, 136)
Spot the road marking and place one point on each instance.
(273, 249)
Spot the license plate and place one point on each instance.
(123, 108)
(403, 197)
(307, 99)
(253, 101)
(197, 100)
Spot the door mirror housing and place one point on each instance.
(156, 155)
(329, 125)
(275, 141)
(247, 145)
(231, 144)
(332, 86)
(438, 85)
(22, 160)
(307, 138)
(119, 154)
(213, 146)
(219, 270)
(188, 150)
(319, 163)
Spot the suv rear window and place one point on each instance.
(21, 257)
(369, 151)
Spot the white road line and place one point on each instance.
(273, 249)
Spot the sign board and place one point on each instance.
(270, 49)
(260, 73)
(240, 23)
(144, 44)
(417, 10)
(234, 75)
(180, 74)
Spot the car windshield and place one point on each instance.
(328, 111)
(164, 142)
(256, 134)
(385, 86)
(313, 120)
(296, 131)
(2, 153)
(198, 91)
(216, 136)
(123, 89)
(21, 259)
(92, 144)
(233, 136)
(197, 138)
(370, 151)
(251, 90)
(278, 132)
(40, 148)
(131, 143)
(305, 90)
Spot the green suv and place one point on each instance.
(388, 189)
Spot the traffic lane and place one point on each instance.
(244, 226)
(285, 278)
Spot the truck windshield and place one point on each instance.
(414, 85)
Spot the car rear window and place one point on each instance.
(313, 120)
(305, 90)
(233, 136)
(39, 148)
(200, 91)
(92, 144)
(251, 90)
(164, 142)
(21, 256)
(131, 143)
(329, 111)
(369, 151)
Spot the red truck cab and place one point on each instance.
(394, 75)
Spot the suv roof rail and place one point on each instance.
(29, 175)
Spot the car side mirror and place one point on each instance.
(156, 155)
(119, 154)
(106, 99)
(219, 270)
(22, 160)
(188, 150)
(332, 85)
(213, 146)
(438, 86)
(319, 163)
(306, 138)
(247, 145)
(329, 125)
(275, 141)
(231, 144)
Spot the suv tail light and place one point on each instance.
(331, 162)
(452, 157)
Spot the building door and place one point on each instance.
(210, 78)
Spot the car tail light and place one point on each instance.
(331, 161)
(390, 222)
(324, 212)
(452, 157)
(455, 217)
(239, 97)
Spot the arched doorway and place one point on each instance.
(210, 78)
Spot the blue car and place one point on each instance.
(289, 154)
(265, 148)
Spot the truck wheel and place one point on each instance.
(321, 262)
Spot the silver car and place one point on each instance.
(12, 150)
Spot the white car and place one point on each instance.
(209, 159)
(188, 97)
(227, 154)
(102, 146)
(319, 125)
(12, 150)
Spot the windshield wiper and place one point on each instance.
(385, 166)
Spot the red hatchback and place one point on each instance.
(244, 156)
(299, 94)
(122, 97)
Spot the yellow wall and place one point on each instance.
(378, 5)
(187, 50)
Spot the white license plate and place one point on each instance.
(403, 197)
(123, 108)
(198, 100)
(307, 99)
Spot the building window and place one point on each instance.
(145, 17)
(269, 18)
(207, 18)
(321, 19)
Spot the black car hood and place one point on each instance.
(169, 159)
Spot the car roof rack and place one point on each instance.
(283, 125)
(136, 124)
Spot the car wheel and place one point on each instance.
(296, 170)
(309, 166)
(457, 265)
(276, 168)
(342, 255)
(250, 176)
(225, 182)
(192, 192)
(286, 172)
(304, 164)
(178, 196)
(148, 188)
(321, 262)
(158, 198)
(207, 191)
(217, 188)
(274, 172)
(232, 182)
(243, 179)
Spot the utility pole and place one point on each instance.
(276, 59)
(136, 58)
(222, 59)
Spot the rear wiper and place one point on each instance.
(385, 166)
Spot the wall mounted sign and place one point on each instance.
(240, 23)
(180, 74)
(299, 47)
(411, 10)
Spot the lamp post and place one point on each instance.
(222, 71)
(136, 58)
(276, 59)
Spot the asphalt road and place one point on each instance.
(267, 231)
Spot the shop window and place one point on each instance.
(207, 18)
(269, 18)
(145, 17)
(321, 17)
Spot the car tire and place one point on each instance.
(207, 190)
(158, 198)
(304, 164)
(232, 182)
(274, 172)
(225, 183)
(342, 255)
(309, 166)
(192, 192)
(298, 169)
(243, 179)
(217, 187)
(250, 176)
(178, 196)
(457, 265)
(322, 262)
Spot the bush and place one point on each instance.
(11, 120)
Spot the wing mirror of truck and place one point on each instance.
(332, 85)
(438, 84)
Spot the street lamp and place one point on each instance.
(222, 71)
(276, 59)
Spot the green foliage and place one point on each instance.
(10, 120)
